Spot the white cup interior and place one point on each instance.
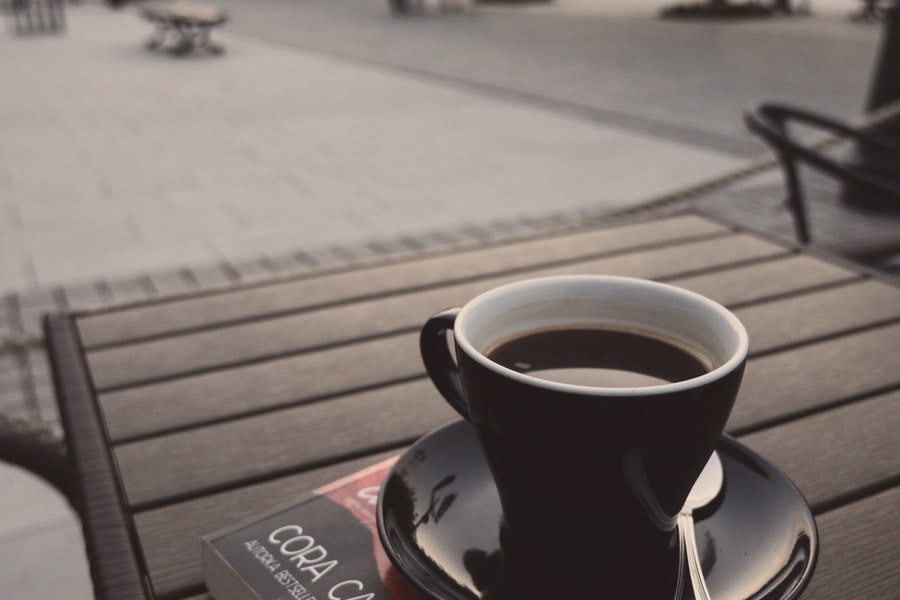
(693, 322)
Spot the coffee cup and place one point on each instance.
(597, 401)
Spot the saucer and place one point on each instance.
(438, 508)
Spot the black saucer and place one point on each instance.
(438, 509)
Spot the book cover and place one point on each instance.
(324, 547)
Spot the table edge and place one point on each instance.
(117, 569)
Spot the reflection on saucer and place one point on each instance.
(439, 520)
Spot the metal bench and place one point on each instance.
(37, 16)
(188, 26)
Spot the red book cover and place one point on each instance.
(324, 547)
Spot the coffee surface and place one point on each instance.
(597, 358)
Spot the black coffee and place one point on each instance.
(598, 358)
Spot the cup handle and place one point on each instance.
(439, 361)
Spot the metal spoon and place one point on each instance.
(705, 490)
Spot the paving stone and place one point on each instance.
(410, 243)
(448, 239)
(172, 282)
(287, 264)
(33, 306)
(129, 289)
(214, 275)
(86, 295)
(306, 259)
(9, 314)
(387, 248)
(44, 396)
(250, 270)
(510, 229)
(11, 394)
(17, 396)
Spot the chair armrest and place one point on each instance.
(769, 121)
(780, 114)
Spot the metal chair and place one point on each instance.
(770, 120)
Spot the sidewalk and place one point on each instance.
(126, 173)
(119, 161)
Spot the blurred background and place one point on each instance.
(331, 132)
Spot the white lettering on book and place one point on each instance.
(301, 550)
(294, 588)
(332, 595)
(264, 557)
(369, 494)
(310, 558)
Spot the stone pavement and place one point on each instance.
(119, 161)
(330, 134)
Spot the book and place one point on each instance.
(325, 546)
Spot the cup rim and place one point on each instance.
(734, 361)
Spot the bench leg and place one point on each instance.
(202, 40)
(184, 42)
(185, 37)
(159, 36)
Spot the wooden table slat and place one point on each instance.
(793, 382)
(831, 454)
(179, 314)
(758, 282)
(267, 385)
(814, 376)
(261, 386)
(810, 316)
(206, 458)
(172, 356)
(860, 551)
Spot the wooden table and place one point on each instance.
(189, 413)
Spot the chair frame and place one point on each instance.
(770, 121)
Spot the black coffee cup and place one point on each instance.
(597, 401)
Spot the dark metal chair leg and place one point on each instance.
(795, 197)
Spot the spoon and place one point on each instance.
(705, 490)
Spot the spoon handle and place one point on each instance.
(679, 583)
(698, 582)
